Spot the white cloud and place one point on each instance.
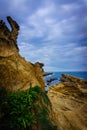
(55, 56)
(70, 7)
(19, 5)
(43, 24)
(35, 53)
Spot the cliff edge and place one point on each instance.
(15, 72)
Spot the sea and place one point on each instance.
(55, 77)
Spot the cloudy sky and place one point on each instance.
(53, 32)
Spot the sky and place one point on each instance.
(53, 32)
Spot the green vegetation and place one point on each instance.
(25, 110)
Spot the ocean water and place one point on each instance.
(82, 75)
(57, 75)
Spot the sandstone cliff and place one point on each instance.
(69, 103)
(15, 72)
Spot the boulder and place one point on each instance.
(15, 72)
(69, 103)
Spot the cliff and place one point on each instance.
(69, 103)
(15, 72)
(31, 107)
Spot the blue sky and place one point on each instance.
(53, 32)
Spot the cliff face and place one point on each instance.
(69, 103)
(15, 72)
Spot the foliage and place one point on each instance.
(18, 109)
(43, 119)
(21, 110)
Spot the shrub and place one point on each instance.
(21, 110)
(17, 108)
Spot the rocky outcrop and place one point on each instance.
(47, 73)
(39, 65)
(8, 39)
(15, 72)
(81, 84)
(72, 79)
(69, 103)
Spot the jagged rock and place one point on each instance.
(68, 78)
(39, 65)
(15, 72)
(69, 103)
(81, 84)
(8, 45)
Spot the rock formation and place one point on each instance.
(15, 72)
(69, 103)
(40, 66)
(47, 73)
(8, 39)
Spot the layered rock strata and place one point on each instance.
(69, 103)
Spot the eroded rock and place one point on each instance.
(15, 72)
(8, 39)
(69, 103)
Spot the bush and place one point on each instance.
(20, 113)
